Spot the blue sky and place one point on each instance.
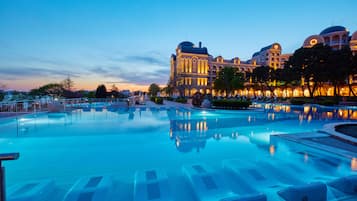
(129, 42)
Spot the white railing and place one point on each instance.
(30, 106)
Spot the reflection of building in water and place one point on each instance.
(189, 134)
(309, 113)
(192, 134)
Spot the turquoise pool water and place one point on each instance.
(119, 142)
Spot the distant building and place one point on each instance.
(193, 69)
(336, 37)
(271, 56)
(353, 43)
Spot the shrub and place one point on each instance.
(181, 100)
(169, 98)
(152, 98)
(295, 101)
(231, 104)
(157, 100)
(327, 102)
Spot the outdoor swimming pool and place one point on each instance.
(117, 143)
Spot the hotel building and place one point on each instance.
(193, 69)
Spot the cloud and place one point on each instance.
(13, 73)
(149, 58)
(129, 75)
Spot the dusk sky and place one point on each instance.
(129, 42)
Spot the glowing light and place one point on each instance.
(313, 41)
(329, 114)
(306, 157)
(272, 150)
(354, 164)
(309, 118)
(171, 132)
(314, 109)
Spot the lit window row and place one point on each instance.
(202, 81)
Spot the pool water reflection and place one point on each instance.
(119, 142)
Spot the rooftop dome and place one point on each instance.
(354, 36)
(313, 40)
(188, 47)
(255, 54)
(333, 29)
(185, 44)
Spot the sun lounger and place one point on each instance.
(151, 185)
(344, 187)
(251, 174)
(31, 191)
(98, 109)
(95, 188)
(86, 109)
(310, 192)
(208, 185)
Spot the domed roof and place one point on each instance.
(333, 29)
(188, 47)
(255, 54)
(354, 36)
(185, 44)
(313, 40)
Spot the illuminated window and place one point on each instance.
(313, 41)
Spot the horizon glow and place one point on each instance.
(129, 43)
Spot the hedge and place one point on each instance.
(181, 100)
(231, 104)
(157, 100)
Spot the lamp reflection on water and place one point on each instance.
(354, 164)
(272, 150)
(306, 157)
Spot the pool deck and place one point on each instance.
(319, 140)
(330, 129)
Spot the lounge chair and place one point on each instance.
(36, 191)
(344, 187)
(86, 109)
(261, 176)
(251, 174)
(208, 185)
(151, 185)
(95, 188)
(99, 109)
(308, 192)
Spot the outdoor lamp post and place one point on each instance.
(5, 157)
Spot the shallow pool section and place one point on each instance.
(132, 153)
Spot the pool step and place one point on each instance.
(208, 184)
(95, 188)
(151, 185)
(31, 191)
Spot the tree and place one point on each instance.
(264, 76)
(51, 89)
(310, 64)
(114, 91)
(67, 84)
(2, 89)
(228, 80)
(169, 90)
(101, 91)
(153, 89)
(339, 67)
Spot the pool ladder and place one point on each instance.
(5, 157)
